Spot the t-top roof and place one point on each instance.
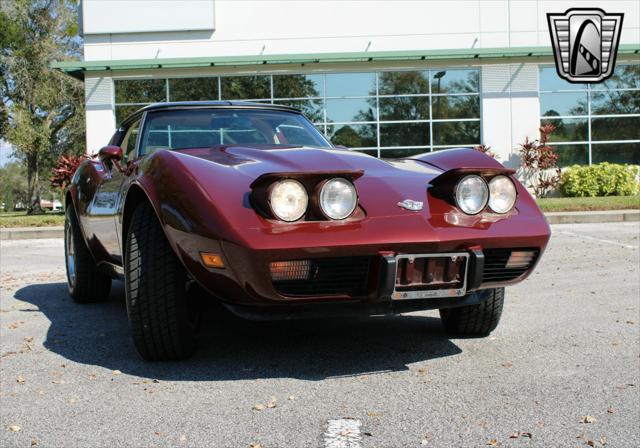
(210, 105)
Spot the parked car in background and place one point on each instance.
(248, 204)
(53, 205)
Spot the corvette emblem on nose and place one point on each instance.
(410, 205)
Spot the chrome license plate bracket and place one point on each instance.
(432, 293)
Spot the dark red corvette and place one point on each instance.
(249, 204)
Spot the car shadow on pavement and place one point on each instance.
(232, 349)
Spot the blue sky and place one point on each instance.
(5, 153)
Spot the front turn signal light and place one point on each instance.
(212, 260)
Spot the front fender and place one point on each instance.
(184, 195)
(460, 159)
(191, 202)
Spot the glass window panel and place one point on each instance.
(129, 141)
(616, 153)
(193, 89)
(123, 112)
(351, 84)
(354, 109)
(399, 83)
(404, 108)
(624, 77)
(245, 87)
(396, 153)
(615, 102)
(572, 155)
(454, 81)
(196, 128)
(312, 109)
(571, 103)
(297, 86)
(549, 80)
(568, 129)
(462, 133)
(353, 135)
(404, 134)
(140, 90)
(617, 128)
(465, 106)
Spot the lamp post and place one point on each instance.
(439, 76)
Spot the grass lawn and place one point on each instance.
(587, 204)
(20, 219)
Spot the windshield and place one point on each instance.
(201, 128)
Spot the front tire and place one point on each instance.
(475, 320)
(86, 284)
(155, 285)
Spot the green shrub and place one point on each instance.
(603, 179)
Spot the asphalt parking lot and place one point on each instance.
(562, 369)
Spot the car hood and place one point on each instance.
(394, 179)
(256, 161)
(206, 192)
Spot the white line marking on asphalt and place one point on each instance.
(343, 433)
(600, 240)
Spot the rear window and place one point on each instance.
(202, 128)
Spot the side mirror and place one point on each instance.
(109, 153)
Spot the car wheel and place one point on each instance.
(86, 284)
(475, 320)
(162, 322)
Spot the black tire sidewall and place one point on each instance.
(475, 320)
(90, 284)
(155, 286)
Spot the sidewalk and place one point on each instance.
(26, 233)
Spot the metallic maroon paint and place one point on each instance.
(202, 199)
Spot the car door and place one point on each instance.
(102, 212)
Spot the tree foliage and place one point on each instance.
(42, 109)
(13, 186)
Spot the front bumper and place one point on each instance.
(246, 284)
(246, 280)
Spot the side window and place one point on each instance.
(129, 141)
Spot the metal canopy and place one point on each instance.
(77, 69)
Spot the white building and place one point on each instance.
(387, 77)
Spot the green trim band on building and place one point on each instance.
(78, 68)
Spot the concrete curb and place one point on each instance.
(27, 233)
(592, 217)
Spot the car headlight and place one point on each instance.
(288, 200)
(338, 198)
(502, 194)
(472, 194)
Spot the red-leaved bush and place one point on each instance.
(485, 150)
(64, 170)
(539, 163)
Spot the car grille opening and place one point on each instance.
(507, 264)
(322, 277)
